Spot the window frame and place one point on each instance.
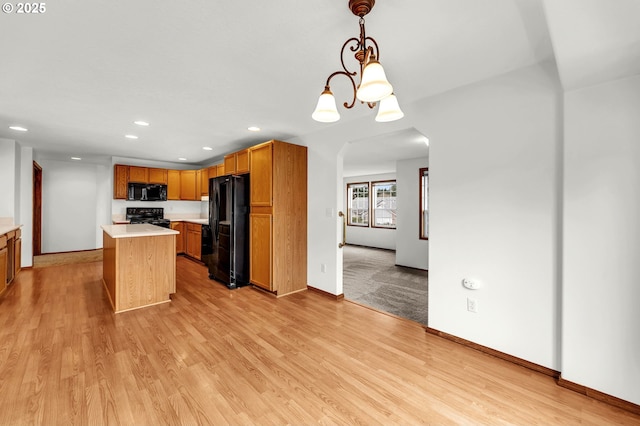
(372, 210)
(349, 209)
(423, 233)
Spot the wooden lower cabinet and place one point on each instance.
(17, 254)
(4, 259)
(180, 238)
(194, 240)
(261, 232)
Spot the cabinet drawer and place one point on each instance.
(18, 233)
(3, 241)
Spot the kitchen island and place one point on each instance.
(139, 265)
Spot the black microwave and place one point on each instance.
(146, 192)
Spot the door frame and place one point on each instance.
(37, 209)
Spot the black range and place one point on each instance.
(151, 215)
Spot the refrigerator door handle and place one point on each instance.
(217, 215)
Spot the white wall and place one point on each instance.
(601, 299)
(410, 249)
(493, 212)
(69, 205)
(8, 171)
(368, 236)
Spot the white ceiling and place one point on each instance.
(202, 71)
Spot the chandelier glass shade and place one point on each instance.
(373, 87)
(389, 110)
(326, 111)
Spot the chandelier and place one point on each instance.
(373, 87)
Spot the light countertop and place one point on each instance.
(192, 220)
(5, 228)
(136, 230)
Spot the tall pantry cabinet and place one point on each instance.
(278, 218)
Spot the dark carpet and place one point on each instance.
(371, 278)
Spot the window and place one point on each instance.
(424, 204)
(384, 204)
(358, 204)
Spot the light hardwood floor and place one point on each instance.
(218, 356)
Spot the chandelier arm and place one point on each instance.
(353, 83)
(353, 48)
(375, 51)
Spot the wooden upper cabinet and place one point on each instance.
(120, 181)
(261, 165)
(188, 185)
(220, 169)
(158, 176)
(138, 174)
(237, 163)
(230, 164)
(198, 184)
(204, 182)
(242, 161)
(173, 184)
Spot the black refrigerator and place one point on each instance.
(228, 261)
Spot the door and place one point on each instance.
(37, 209)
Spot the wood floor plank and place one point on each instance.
(219, 356)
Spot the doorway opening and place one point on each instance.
(385, 260)
(37, 209)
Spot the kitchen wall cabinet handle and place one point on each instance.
(344, 230)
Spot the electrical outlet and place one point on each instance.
(323, 267)
(472, 305)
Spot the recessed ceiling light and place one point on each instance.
(207, 148)
(141, 123)
(182, 159)
(76, 158)
(253, 129)
(18, 128)
(131, 136)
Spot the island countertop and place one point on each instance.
(6, 228)
(136, 230)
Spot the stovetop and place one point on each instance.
(151, 215)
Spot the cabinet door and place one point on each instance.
(158, 176)
(17, 255)
(230, 163)
(261, 184)
(4, 263)
(242, 161)
(120, 181)
(173, 184)
(138, 174)
(204, 182)
(220, 170)
(261, 232)
(198, 184)
(188, 185)
(180, 238)
(194, 240)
